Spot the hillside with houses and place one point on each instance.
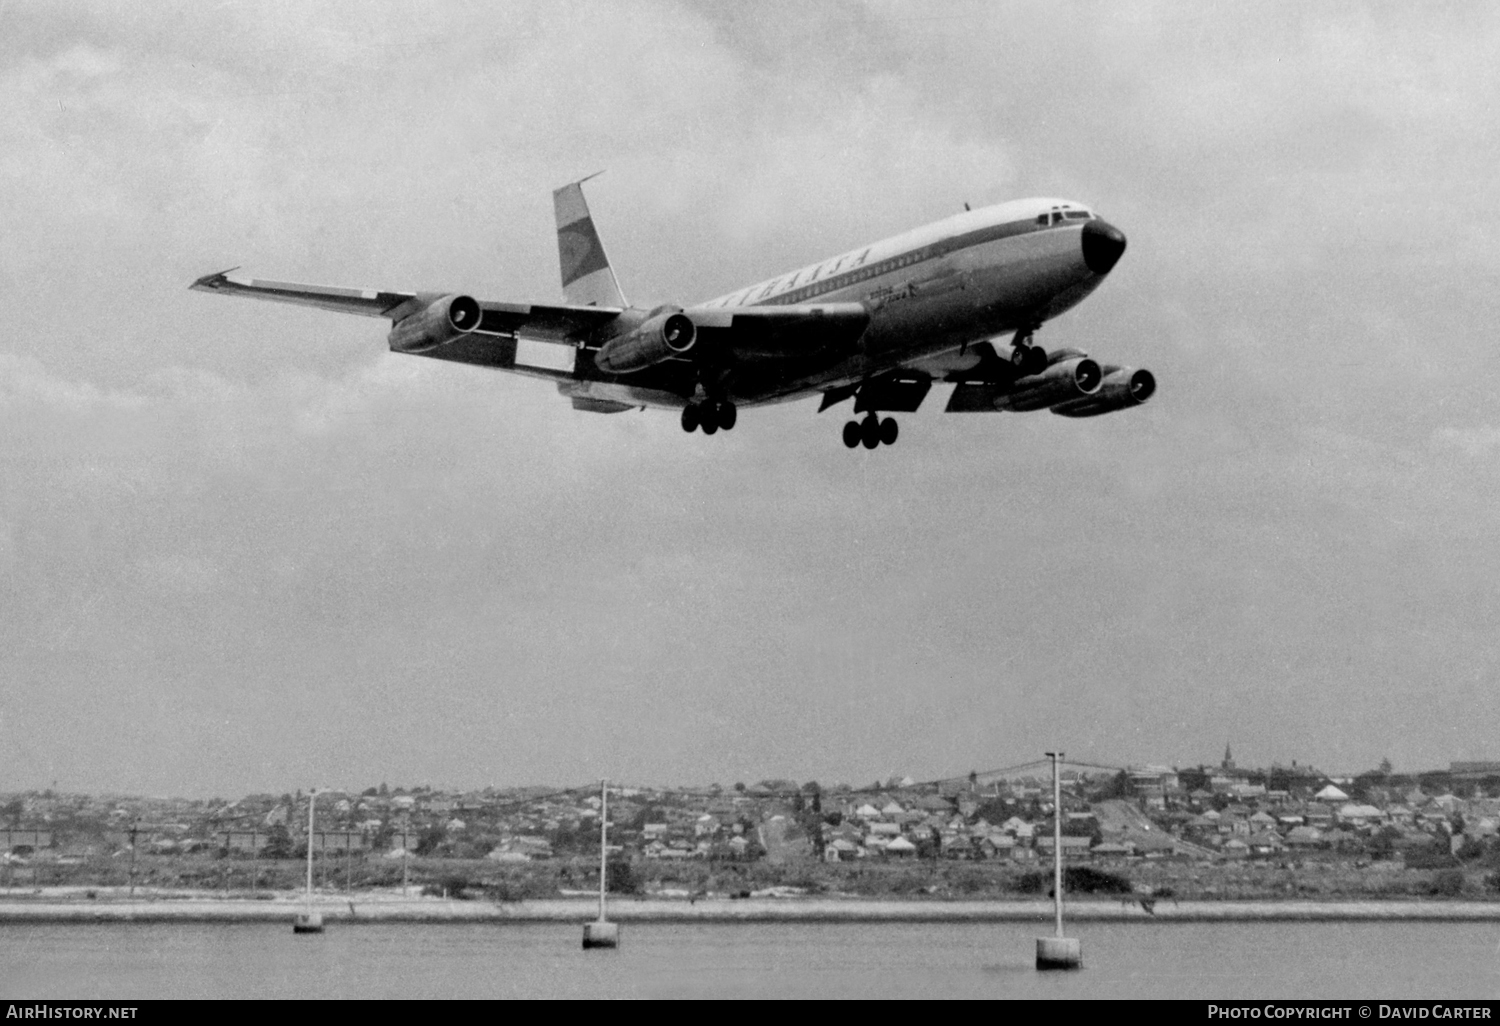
(1292, 818)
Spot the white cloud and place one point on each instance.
(1471, 441)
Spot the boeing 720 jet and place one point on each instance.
(958, 301)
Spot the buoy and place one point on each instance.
(1057, 952)
(308, 922)
(601, 935)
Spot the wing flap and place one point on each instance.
(550, 322)
(773, 331)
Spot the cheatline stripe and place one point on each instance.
(978, 237)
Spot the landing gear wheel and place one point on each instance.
(851, 433)
(727, 415)
(1018, 353)
(1028, 359)
(869, 432)
(710, 420)
(690, 418)
(888, 431)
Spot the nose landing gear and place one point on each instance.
(871, 432)
(711, 415)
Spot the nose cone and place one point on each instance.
(1103, 245)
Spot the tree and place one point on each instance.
(1120, 786)
(1385, 767)
(1193, 779)
(619, 877)
(429, 839)
(278, 843)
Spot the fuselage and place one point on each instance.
(977, 275)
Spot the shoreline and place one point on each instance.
(395, 909)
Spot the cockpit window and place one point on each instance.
(1041, 219)
(1077, 215)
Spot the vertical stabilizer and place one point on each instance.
(587, 278)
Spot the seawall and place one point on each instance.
(722, 910)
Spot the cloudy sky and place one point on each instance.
(243, 547)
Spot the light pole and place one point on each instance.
(309, 921)
(1057, 952)
(602, 934)
(405, 851)
(135, 827)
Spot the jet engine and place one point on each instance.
(440, 321)
(666, 333)
(1122, 388)
(1065, 380)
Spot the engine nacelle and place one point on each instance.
(1122, 388)
(439, 322)
(668, 332)
(1068, 379)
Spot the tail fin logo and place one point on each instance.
(580, 251)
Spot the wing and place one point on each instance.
(370, 302)
(498, 320)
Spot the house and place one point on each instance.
(1331, 794)
(840, 850)
(900, 847)
(1305, 837)
(1359, 815)
(1266, 842)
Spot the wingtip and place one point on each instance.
(210, 282)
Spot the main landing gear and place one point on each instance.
(871, 432)
(710, 415)
(1027, 357)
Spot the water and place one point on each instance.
(1134, 960)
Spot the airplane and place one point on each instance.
(957, 301)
